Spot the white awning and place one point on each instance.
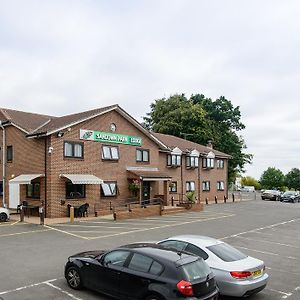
(83, 178)
(25, 178)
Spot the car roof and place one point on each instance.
(200, 240)
(161, 253)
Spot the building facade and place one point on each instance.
(102, 157)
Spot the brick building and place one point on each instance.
(100, 157)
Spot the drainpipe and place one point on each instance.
(45, 200)
(3, 163)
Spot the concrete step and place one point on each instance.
(173, 210)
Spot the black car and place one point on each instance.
(290, 197)
(143, 272)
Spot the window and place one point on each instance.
(205, 185)
(73, 149)
(195, 270)
(173, 160)
(190, 186)
(208, 162)
(226, 252)
(220, 185)
(109, 189)
(9, 153)
(142, 155)
(116, 258)
(1, 188)
(75, 190)
(192, 162)
(33, 190)
(196, 250)
(110, 153)
(156, 268)
(220, 163)
(173, 187)
(140, 263)
(177, 245)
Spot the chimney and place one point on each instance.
(210, 144)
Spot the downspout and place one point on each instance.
(3, 164)
(199, 182)
(181, 175)
(45, 202)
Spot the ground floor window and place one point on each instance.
(1, 188)
(206, 186)
(190, 186)
(33, 190)
(109, 189)
(220, 185)
(173, 187)
(75, 190)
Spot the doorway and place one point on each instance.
(14, 195)
(146, 192)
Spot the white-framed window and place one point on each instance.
(220, 185)
(110, 153)
(220, 163)
(208, 162)
(173, 187)
(109, 188)
(142, 155)
(173, 160)
(205, 185)
(192, 162)
(73, 149)
(190, 186)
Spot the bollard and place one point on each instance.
(22, 212)
(216, 199)
(115, 216)
(42, 215)
(172, 200)
(206, 200)
(232, 197)
(225, 199)
(72, 214)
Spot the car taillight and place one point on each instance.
(241, 275)
(185, 288)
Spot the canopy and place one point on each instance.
(83, 178)
(25, 178)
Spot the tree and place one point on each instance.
(292, 179)
(272, 178)
(202, 119)
(251, 181)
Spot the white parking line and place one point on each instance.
(64, 292)
(285, 295)
(94, 226)
(264, 241)
(66, 232)
(23, 232)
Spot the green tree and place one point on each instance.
(272, 178)
(251, 181)
(292, 179)
(202, 119)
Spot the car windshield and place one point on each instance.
(195, 270)
(226, 252)
(289, 194)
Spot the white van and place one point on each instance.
(248, 188)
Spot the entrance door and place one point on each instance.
(14, 195)
(146, 192)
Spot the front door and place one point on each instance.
(14, 195)
(146, 192)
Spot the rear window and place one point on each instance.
(226, 252)
(195, 270)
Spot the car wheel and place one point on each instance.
(154, 297)
(3, 217)
(73, 278)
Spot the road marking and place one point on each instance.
(94, 226)
(14, 223)
(285, 295)
(282, 271)
(61, 290)
(270, 242)
(23, 232)
(66, 232)
(259, 251)
(27, 286)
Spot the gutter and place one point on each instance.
(3, 159)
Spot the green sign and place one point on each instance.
(106, 137)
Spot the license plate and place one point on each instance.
(256, 273)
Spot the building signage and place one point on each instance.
(106, 137)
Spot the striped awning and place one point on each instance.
(25, 178)
(82, 178)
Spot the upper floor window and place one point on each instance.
(208, 162)
(33, 190)
(173, 187)
(220, 163)
(190, 186)
(173, 160)
(75, 190)
(9, 153)
(73, 149)
(109, 189)
(220, 185)
(192, 162)
(206, 186)
(1, 188)
(110, 153)
(142, 155)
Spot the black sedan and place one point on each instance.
(142, 272)
(290, 197)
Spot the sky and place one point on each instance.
(59, 57)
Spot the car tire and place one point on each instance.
(154, 297)
(3, 217)
(74, 279)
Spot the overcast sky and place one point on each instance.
(60, 57)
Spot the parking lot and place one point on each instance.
(33, 256)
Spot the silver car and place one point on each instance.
(237, 274)
(4, 214)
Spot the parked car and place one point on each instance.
(290, 196)
(144, 272)
(237, 274)
(270, 195)
(4, 214)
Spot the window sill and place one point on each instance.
(72, 158)
(110, 160)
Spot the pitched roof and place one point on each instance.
(185, 145)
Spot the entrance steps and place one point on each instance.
(168, 210)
